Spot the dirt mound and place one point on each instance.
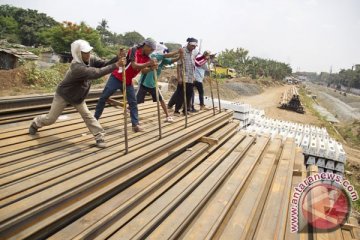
(11, 78)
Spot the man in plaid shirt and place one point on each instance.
(189, 60)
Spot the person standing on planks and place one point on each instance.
(201, 67)
(147, 82)
(137, 60)
(75, 87)
(189, 61)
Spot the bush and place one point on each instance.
(46, 78)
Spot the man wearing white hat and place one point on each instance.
(75, 87)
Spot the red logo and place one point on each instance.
(326, 206)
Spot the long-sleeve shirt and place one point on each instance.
(189, 59)
(200, 68)
(200, 73)
(77, 81)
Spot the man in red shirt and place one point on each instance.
(137, 59)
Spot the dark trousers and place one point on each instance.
(178, 96)
(112, 85)
(199, 86)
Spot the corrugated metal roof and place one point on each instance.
(20, 53)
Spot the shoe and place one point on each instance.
(169, 119)
(177, 113)
(100, 143)
(137, 128)
(193, 110)
(203, 107)
(33, 128)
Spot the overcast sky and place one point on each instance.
(310, 35)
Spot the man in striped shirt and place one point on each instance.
(189, 62)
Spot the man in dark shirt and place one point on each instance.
(75, 87)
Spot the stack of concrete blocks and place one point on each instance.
(317, 146)
(329, 154)
(241, 110)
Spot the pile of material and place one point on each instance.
(290, 100)
(318, 147)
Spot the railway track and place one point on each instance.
(206, 181)
(18, 109)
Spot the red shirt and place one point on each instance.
(130, 72)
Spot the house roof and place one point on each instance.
(20, 53)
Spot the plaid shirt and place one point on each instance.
(189, 59)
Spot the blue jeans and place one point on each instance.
(112, 85)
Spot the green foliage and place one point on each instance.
(61, 36)
(132, 38)
(346, 77)
(47, 78)
(29, 24)
(105, 34)
(235, 58)
(9, 29)
(255, 67)
(173, 46)
(109, 39)
(351, 133)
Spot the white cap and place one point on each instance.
(84, 46)
(160, 48)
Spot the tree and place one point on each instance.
(132, 38)
(30, 23)
(105, 34)
(173, 46)
(9, 29)
(237, 59)
(61, 36)
(255, 67)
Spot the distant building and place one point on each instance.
(357, 67)
(10, 57)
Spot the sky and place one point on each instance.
(310, 35)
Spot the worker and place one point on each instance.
(189, 61)
(147, 81)
(137, 60)
(75, 87)
(201, 67)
